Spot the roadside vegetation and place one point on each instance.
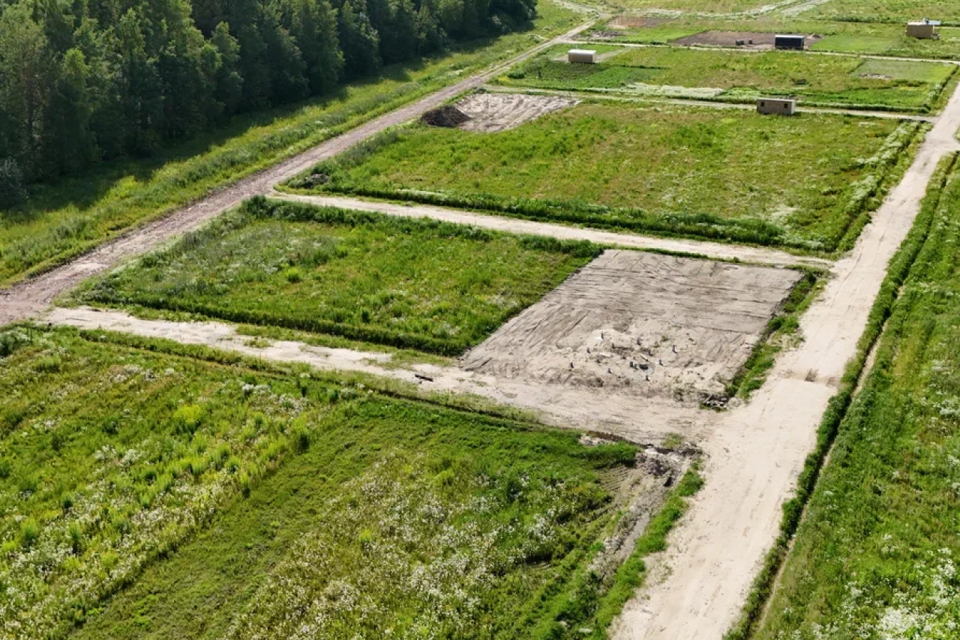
(60, 221)
(401, 282)
(663, 169)
(841, 37)
(694, 6)
(873, 555)
(184, 468)
(733, 76)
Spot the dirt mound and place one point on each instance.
(494, 112)
(447, 116)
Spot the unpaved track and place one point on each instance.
(714, 250)
(614, 412)
(758, 449)
(26, 299)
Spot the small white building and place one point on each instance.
(582, 56)
(925, 29)
(777, 106)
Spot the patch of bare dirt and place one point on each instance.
(647, 324)
(494, 112)
(625, 21)
(750, 40)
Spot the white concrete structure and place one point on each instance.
(777, 106)
(582, 56)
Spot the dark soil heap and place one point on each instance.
(447, 116)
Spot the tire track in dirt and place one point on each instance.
(27, 299)
(758, 449)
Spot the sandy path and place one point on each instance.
(617, 412)
(758, 449)
(30, 297)
(715, 250)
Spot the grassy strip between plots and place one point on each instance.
(62, 221)
(220, 501)
(835, 37)
(731, 76)
(941, 194)
(668, 170)
(406, 283)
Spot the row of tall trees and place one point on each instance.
(87, 80)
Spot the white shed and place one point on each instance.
(777, 106)
(582, 56)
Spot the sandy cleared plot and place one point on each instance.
(657, 325)
(493, 112)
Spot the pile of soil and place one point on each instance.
(447, 116)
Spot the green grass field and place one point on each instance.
(666, 169)
(400, 282)
(63, 220)
(876, 555)
(887, 10)
(841, 37)
(696, 6)
(213, 500)
(743, 76)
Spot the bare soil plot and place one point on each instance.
(659, 325)
(493, 112)
(754, 40)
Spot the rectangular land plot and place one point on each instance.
(886, 10)
(697, 6)
(877, 551)
(404, 283)
(741, 76)
(665, 169)
(152, 495)
(832, 36)
(659, 325)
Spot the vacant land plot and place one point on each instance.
(661, 326)
(673, 170)
(64, 220)
(255, 503)
(877, 553)
(405, 283)
(842, 37)
(744, 76)
(699, 6)
(886, 10)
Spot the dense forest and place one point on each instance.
(83, 81)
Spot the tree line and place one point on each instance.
(83, 81)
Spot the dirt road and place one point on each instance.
(29, 298)
(758, 449)
(715, 250)
(617, 412)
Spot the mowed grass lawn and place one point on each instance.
(694, 6)
(152, 495)
(60, 221)
(667, 169)
(877, 554)
(399, 282)
(743, 76)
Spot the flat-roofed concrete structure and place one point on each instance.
(924, 29)
(582, 56)
(777, 106)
